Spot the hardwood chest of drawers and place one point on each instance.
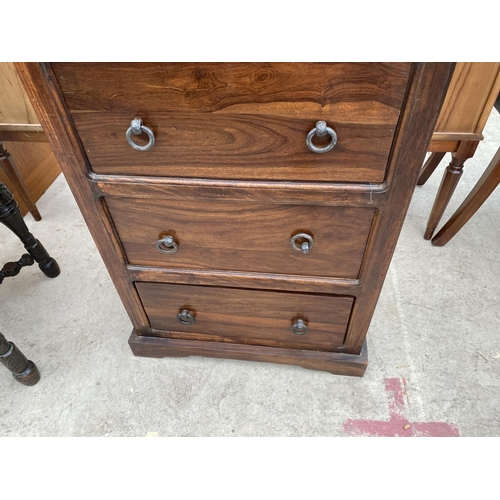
(243, 210)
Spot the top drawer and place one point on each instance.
(237, 120)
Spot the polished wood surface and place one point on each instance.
(178, 189)
(247, 316)
(234, 147)
(242, 236)
(99, 195)
(363, 91)
(239, 279)
(237, 121)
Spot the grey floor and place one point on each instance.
(434, 345)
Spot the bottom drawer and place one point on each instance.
(279, 319)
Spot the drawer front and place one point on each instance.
(247, 316)
(237, 120)
(249, 237)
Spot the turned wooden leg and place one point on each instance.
(23, 370)
(449, 182)
(482, 190)
(10, 216)
(429, 166)
(12, 172)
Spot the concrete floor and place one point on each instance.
(434, 345)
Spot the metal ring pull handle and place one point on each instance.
(305, 246)
(321, 130)
(167, 245)
(137, 128)
(299, 327)
(185, 317)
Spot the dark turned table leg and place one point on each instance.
(10, 216)
(23, 370)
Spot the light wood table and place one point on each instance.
(21, 137)
(470, 98)
(488, 182)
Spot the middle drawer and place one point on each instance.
(304, 240)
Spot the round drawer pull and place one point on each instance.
(137, 128)
(305, 246)
(185, 317)
(167, 245)
(321, 130)
(299, 327)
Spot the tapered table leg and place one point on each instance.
(12, 172)
(429, 166)
(23, 370)
(450, 180)
(482, 190)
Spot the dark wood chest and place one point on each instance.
(243, 210)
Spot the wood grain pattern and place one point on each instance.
(238, 279)
(243, 236)
(234, 147)
(440, 146)
(471, 95)
(247, 316)
(366, 90)
(456, 136)
(333, 362)
(15, 106)
(421, 100)
(237, 120)
(177, 189)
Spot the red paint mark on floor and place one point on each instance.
(398, 425)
